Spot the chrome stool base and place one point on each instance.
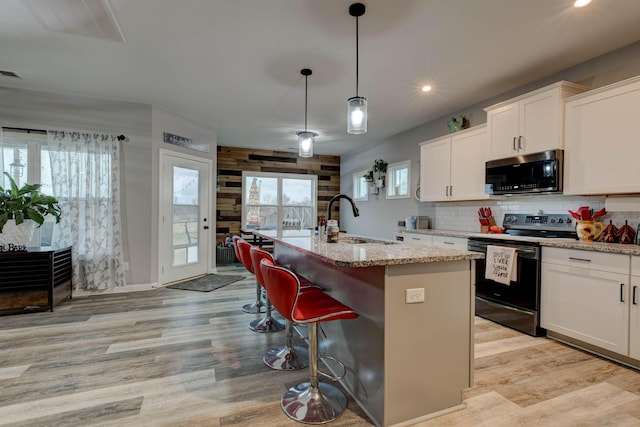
(265, 325)
(311, 405)
(287, 358)
(254, 308)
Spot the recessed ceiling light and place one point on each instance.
(581, 3)
(426, 88)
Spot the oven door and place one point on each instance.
(518, 304)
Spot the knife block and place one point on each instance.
(484, 229)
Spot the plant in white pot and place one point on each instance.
(380, 168)
(21, 209)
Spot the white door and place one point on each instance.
(185, 223)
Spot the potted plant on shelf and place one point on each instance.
(380, 168)
(21, 209)
(368, 177)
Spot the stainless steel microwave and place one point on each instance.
(526, 174)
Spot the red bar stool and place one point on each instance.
(267, 323)
(286, 357)
(257, 306)
(312, 402)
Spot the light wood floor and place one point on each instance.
(181, 358)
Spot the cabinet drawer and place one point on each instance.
(589, 260)
(422, 239)
(450, 242)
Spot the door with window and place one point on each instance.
(185, 224)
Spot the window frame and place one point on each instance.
(358, 183)
(280, 207)
(390, 178)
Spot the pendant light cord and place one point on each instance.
(357, 55)
(306, 79)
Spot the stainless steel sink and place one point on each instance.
(364, 241)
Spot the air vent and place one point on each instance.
(9, 74)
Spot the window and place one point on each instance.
(398, 180)
(360, 186)
(278, 201)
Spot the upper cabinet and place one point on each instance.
(601, 140)
(529, 123)
(452, 167)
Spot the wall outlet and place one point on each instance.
(126, 266)
(415, 295)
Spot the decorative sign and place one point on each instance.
(170, 138)
(10, 247)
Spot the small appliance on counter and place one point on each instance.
(413, 222)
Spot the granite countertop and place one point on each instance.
(615, 248)
(371, 252)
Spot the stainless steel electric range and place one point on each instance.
(517, 305)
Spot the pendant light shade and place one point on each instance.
(306, 138)
(357, 105)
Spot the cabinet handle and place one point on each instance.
(635, 288)
(448, 243)
(451, 190)
(580, 259)
(446, 189)
(515, 147)
(621, 292)
(520, 142)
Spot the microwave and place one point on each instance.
(534, 173)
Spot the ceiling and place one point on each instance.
(234, 65)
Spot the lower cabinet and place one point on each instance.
(586, 295)
(634, 314)
(459, 243)
(423, 239)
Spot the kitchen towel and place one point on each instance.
(501, 265)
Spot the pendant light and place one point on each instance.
(306, 138)
(357, 106)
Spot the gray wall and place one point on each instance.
(378, 216)
(143, 125)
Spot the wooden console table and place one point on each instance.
(35, 280)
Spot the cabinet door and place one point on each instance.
(588, 305)
(601, 142)
(634, 314)
(502, 126)
(435, 161)
(539, 122)
(469, 151)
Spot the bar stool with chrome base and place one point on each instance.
(312, 402)
(257, 306)
(286, 357)
(267, 323)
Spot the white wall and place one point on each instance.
(143, 126)
(378, 216)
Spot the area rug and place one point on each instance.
(206, 283)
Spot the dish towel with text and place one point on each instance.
(501, 265)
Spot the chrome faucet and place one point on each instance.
(356, 212)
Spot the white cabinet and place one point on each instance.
(450, 242)
(423, 239)
(453, 167)
(585, 296)
(601, 140)
(529, 123)
(634, 313)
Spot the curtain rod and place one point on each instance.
(119, 137)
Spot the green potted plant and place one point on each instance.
(380, 168)
(18, 205)
(368, 177)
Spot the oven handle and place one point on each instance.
(525, 252)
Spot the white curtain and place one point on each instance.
(85, 171)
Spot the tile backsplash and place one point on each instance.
(463, 216)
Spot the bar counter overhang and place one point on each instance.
(405, 362)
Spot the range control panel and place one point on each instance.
(541, 221)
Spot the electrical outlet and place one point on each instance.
(415, 295)
(126, 266)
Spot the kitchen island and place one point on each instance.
(405, 361)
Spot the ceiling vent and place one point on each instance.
(92, 18)
(5, 73)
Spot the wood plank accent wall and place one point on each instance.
(233, 160)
